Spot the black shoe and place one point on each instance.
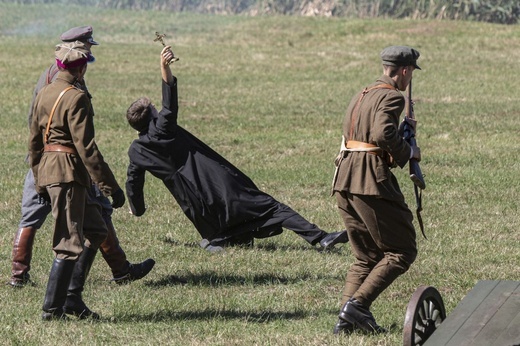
(343, 327)
(75, 306)
(332, 239)
(360, 316)
(55, 315)
(206, 245)
(25, 280)
(137, 271)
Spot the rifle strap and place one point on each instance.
(418, 201)
(52, 112)
(355, 111)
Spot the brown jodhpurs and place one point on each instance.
(382, 240)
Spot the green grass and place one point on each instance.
(269, 93)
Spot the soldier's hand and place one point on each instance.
(44, 198)
(118, 199)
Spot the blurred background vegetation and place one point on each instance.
(493, 11)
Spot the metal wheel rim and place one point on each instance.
(425, 312)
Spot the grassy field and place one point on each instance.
(269, 94)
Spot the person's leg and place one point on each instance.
(74, 304)
(21, 257)
(67, 202)
(122, 270)
(34, 213)
(308, 231)
(94, 232)
(363, 248)
(362, 265)
(56, 292)
(387, 243)
(391, 228)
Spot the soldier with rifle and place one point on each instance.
(370, 202)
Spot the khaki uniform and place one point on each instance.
(65, 176)
(378, 221)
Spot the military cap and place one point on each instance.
(79, 33)
(72, 54)
(400, 56)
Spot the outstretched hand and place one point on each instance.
(166, 57)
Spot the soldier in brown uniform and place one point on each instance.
(65, 160)
(35, 210)
(378, 221)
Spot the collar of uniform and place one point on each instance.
(66, 77)
(387, 80)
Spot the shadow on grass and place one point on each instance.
(263, 246)
(211, 314)
(210, 279)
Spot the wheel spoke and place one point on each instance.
(424, 314)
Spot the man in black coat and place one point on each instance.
(223, 203)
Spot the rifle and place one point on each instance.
(408, 127)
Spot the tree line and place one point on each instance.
(494, 11)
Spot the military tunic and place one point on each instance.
(378, 221)
(65, 176)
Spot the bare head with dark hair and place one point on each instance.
(139, 113)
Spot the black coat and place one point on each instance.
(216, 196)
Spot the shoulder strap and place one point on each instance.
(52, 112)
(355, 111)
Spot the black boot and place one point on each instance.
(136, 271)
(360, 316)
(56, 294)
(343, 327)
(74, 305)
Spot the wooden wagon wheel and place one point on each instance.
(425, 312)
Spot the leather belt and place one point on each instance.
(364, 147)
(59, 148)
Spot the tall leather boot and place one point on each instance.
(122, 270)
(74, 304)
(21, 255)
(56, 294)
(113, 253)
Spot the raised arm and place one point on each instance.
(166, 72)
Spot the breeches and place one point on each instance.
(34, 212)
(382, 239)
(78, 220)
